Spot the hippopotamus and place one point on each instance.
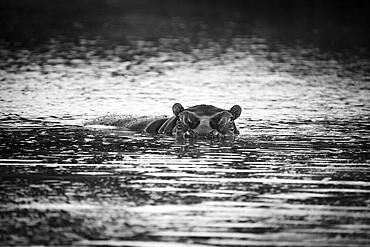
(200, 121)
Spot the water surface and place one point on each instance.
(297, 175)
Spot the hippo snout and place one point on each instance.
(204, 129)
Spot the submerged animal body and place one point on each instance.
(200, 121)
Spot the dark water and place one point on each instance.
(298, 174)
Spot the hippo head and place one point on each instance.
(205, 121)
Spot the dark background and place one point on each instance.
(325, 23)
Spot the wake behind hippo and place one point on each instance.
(200, 121)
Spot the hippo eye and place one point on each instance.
(193, 123)
(215, 123)
(222, 122)
(190, 120)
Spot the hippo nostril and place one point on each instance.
(206, 133)
(213, 133)
(190, 133)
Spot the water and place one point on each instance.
(297, 175)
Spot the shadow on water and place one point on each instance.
(298, 175)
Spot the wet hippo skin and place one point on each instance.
(200, 121)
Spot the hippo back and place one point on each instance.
(149, 124)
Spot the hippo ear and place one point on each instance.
(177, 108)
(236, 110)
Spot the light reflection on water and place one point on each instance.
(242, 74)
(298, 175)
